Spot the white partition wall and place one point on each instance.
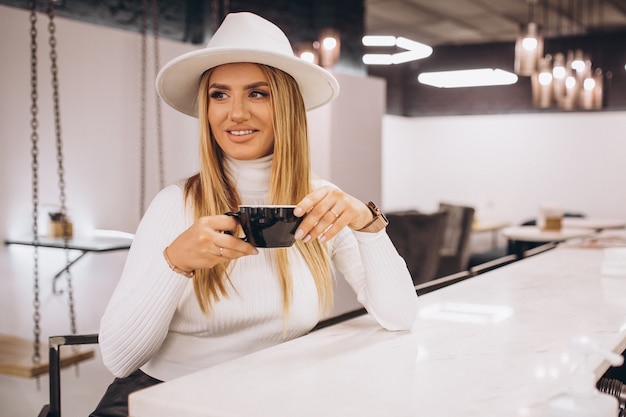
(346, 137)
(346, 150)
(507, 165)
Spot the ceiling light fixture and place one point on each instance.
(468, 78)
(413, 50)
(324, 52)
(371, 40)
(329, 47)
(574, 83)
(529, 44)
(309, 51)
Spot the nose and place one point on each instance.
(239, 110)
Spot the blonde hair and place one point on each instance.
(212, 192)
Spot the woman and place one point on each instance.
(192, 296)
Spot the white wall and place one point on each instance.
(506, 165)
(346, 137)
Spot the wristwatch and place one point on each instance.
(378, 223)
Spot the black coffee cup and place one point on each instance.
(268, 226)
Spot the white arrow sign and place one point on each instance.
(413, 50)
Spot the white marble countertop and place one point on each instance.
(493, 345)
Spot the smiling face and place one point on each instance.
(240, 111)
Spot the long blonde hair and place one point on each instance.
(212, 192)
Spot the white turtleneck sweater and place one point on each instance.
(153, 320)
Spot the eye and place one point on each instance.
(218, 95)
(258, 94)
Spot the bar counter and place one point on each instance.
(494, 345)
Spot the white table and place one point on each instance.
(522, 238)
(594, 224)
(535, 234)
(492, 345)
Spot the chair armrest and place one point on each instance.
(54, 367)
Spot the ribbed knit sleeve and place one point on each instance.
(139, 313)
(372, 266)
(153, 321)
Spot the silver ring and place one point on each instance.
(221, 251)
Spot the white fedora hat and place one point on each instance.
(243, 37)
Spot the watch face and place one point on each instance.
(377, 213)
(375, 210)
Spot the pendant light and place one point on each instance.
(330, 47)
(567, 81)
(541, 82)
(529, 45)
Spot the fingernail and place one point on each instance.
(322, 239)
(307, 238)
(298, 211)
(298, 234)
(255, 252)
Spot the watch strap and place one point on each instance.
(378, 222)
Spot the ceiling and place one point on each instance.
(434, 22)
(455, 22)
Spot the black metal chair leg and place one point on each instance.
(54, 368)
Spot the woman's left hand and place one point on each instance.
(326, 211)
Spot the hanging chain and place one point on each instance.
(142, 127)
(159, 128)
(34, 138)
(60, 169)
(35, 171)
(155, 41)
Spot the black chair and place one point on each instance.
(54, 368)
(455, 252)
(539, 249)
(418, 237)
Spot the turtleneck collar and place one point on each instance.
(251, 177)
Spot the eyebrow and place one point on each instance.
(246, 87)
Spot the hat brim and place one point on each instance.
(177, 82)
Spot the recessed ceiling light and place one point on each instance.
(468, 78)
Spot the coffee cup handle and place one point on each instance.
(236, 215)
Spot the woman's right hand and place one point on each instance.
(205, 244)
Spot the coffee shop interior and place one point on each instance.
(474, 178)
